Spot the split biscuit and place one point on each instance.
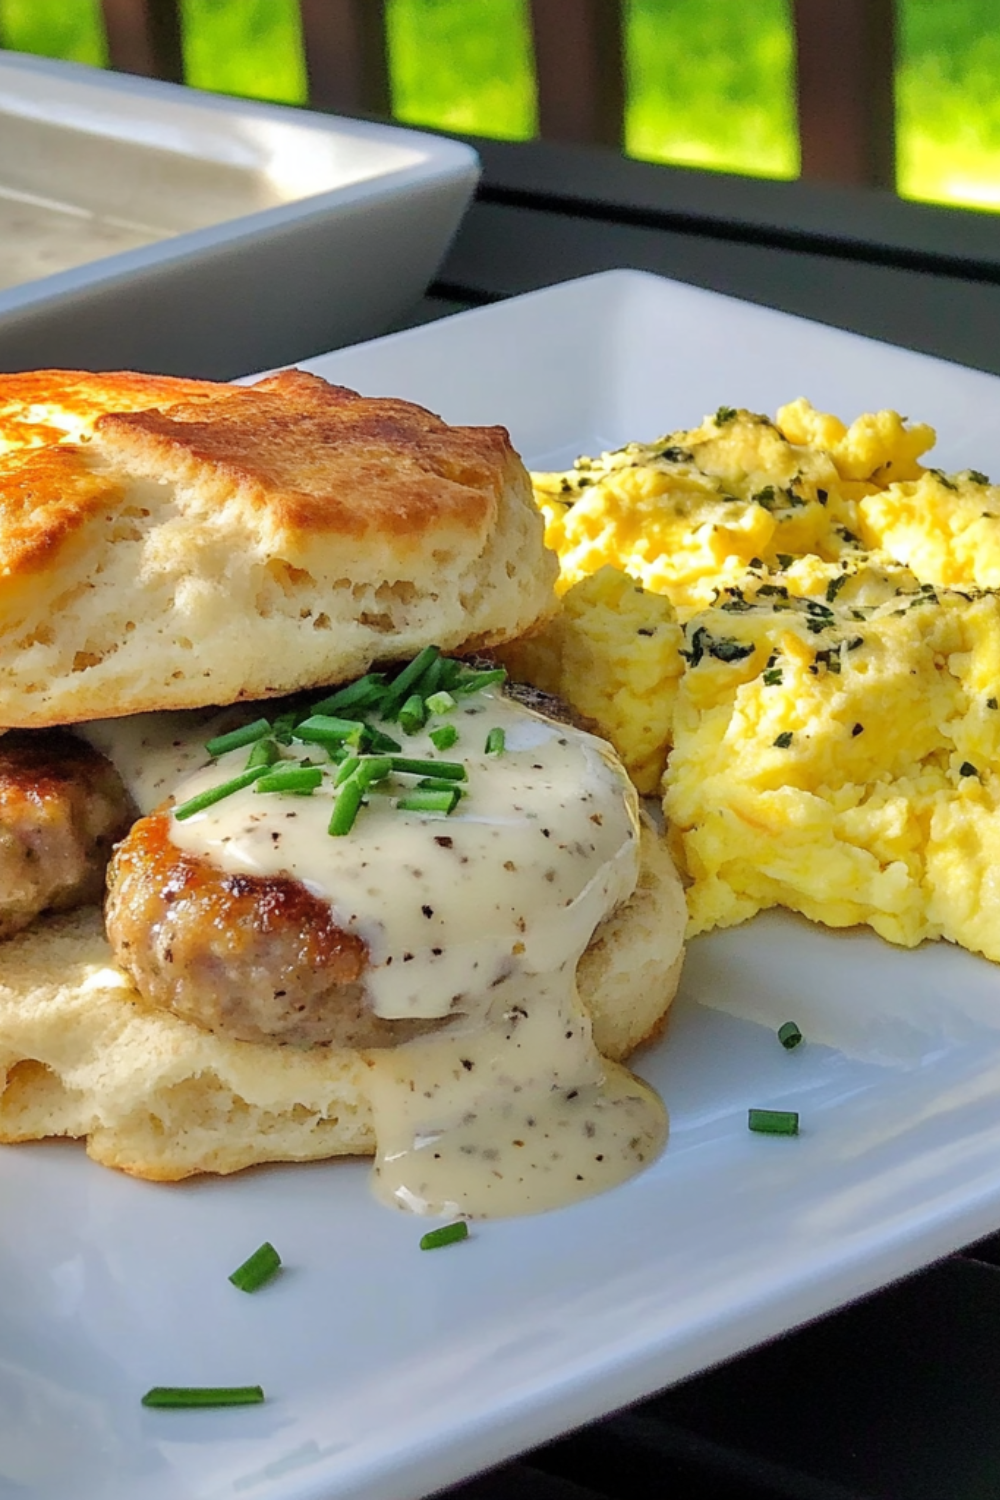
(82, 1055)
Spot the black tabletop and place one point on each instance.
(891, 1398)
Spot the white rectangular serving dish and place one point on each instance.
(148, 226)
(391, 1373)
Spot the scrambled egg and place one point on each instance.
(797, 620)
(614, 653)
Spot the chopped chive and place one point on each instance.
(773, 1121)
(345, 808)
(291, 778)
(284, 724)
(346, 768)
(373, 768)
(440, 703)
(445, 737)
(203, 1395)
(406, 680)
(321, 729)
(216, 793)
(413, 715)
(435, 784)
(474, 682)
(496, 741)
(425, 799)
(259, 1267)
(451, 671)
(264, 753)
(381, 744)
(237, 738)
(447, 1234)
(789, 1035)
(363, 693)
(448, 770)
(431, 678)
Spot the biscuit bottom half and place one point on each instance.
(82, 1055)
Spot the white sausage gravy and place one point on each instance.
(481, 915)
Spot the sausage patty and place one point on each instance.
(62, 807)
(252, 957)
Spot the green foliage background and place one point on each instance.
(710, 82)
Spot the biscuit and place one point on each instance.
(82, 1055)
(38, 407)
(250, 541)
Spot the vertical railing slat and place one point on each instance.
(846, 68)
(347, 61)
(144, 36)
(845, 60)
(580, 70)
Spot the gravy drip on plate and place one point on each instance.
(482, 916)
(518, 1115)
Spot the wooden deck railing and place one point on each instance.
(844, 54)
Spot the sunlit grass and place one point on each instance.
(464, 67)
(72, 29)
(959, 170)
(948, 102)
(710, 82)
(244, 47)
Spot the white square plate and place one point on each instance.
(148, 226)
(389, 1372)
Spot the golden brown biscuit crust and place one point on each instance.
(304, 457)
(38, 407)
(47, 494)
(312, 458)
(250, 541)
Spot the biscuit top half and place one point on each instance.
(172, 544)
(38, 407)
